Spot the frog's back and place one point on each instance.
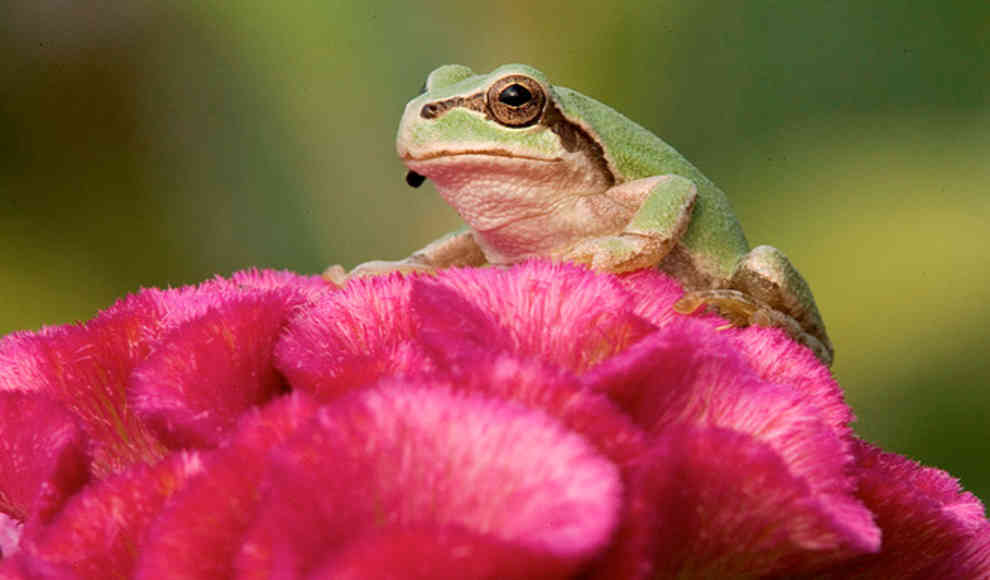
(715, 237)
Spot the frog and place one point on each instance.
(537, 170)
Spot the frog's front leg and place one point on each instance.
(664, 213)
(454, 249)
(765, 289)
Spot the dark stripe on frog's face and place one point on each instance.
(572, 136)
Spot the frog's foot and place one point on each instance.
(739, 309)
(454, 249)
(336, 274)
(767, 276)
(742, 310)
(666, 205)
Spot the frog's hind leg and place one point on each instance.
(765, 289)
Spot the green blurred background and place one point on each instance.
(157, 143)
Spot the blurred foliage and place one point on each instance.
(155, 144)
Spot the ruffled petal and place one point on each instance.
(101, 529)
(685, 376)
(86, 369)
(931, 528)
(397, 457)
(183, 543)
(729, 506)
(559, 313)
(778, 359)
(351, 338)
(437, 554)
(769, 351)
(11, 530)
(309, 287)
(208, 370)
(43, 456)
(534, 421)
(536, 385)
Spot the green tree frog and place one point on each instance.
(537, 170)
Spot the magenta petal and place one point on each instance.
(176, 306)
(683, 374)
(10, 536)
(210, 369)
(728, 506)
(99, 530)
(970, 560)
(85, 368)
(931, 528)
(769, 351)
(778, 359)
(439, 554)
(14, 568)
(350, 338)
(183, 543)
(654, 294)
(540, 386)
(43, 458)
(559, 313)
(406, 456)
(310, 287)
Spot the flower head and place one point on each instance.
(537, 421)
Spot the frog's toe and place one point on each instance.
(742, 310)
(583, 253)
(766, 275)
(336, 275)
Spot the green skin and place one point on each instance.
(537, 170)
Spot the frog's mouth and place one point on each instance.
(415, 179)
(442, 154)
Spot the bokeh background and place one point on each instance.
(149, 143)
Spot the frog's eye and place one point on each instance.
(516, 101)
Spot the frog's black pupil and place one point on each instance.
(515, 95)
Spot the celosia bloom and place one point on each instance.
(540, 421)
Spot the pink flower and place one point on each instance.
(540, 421)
